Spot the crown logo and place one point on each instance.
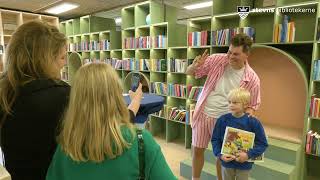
(243, 11)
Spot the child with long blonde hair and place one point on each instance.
(97, 140)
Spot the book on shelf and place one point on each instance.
(114, 62)
(312, 143)
(175, 113)
(177, 90)
(316, 70)
(159, 41)
(190, 113)
(158, 65)
(284, 32)
(9, 26)
(129, 43)
(143, 42)
(314, 110)
(177, 65)
(199, 38)
(224, 36)
(238, 140)
(194, 92)
(158, 88)
(136, 64)
(318, 30)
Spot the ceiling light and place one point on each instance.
(199, 5)
(118, 20)
(61, 8)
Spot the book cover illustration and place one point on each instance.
(236, 140)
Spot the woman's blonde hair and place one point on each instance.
(239, 95)
(32, 53)
(91, 128)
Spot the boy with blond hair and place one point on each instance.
(238, 167)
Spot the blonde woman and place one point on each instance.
(32, 99)
(97, 140)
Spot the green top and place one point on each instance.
(123, 167)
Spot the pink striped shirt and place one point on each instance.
(214, 68)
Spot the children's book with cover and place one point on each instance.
(237, 140)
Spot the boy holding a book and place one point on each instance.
(245, 131)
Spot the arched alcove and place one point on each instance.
(74, 63)
(144, 81)
(283, 92)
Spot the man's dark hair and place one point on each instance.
(242, 40)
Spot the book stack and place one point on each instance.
(177, 65)
(143, 42)
(199, 38)
(284, 32)
(159, 88)
(129, 43)
(158, 65)
(159, 41)
(313, 143)
(224, 36)
(177, 90)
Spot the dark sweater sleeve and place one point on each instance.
(132, 116)
(260, 140)
(217, 139)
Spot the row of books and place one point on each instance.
(89, 46)
(158, 65)
(114, 62)
(224, 36)
(178, 90)
(136, 64)
(316, 70)
(284, 32)
(195, 92)
(143, 42)
(313, 143)
(314, 110)
(177, 65)
(129, 43)
(158, 88)
(159, 41)
(176, 113)
(199, 38)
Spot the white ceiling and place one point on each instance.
(106, 8)
(179, 4)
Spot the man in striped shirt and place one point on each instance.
(224, 72)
